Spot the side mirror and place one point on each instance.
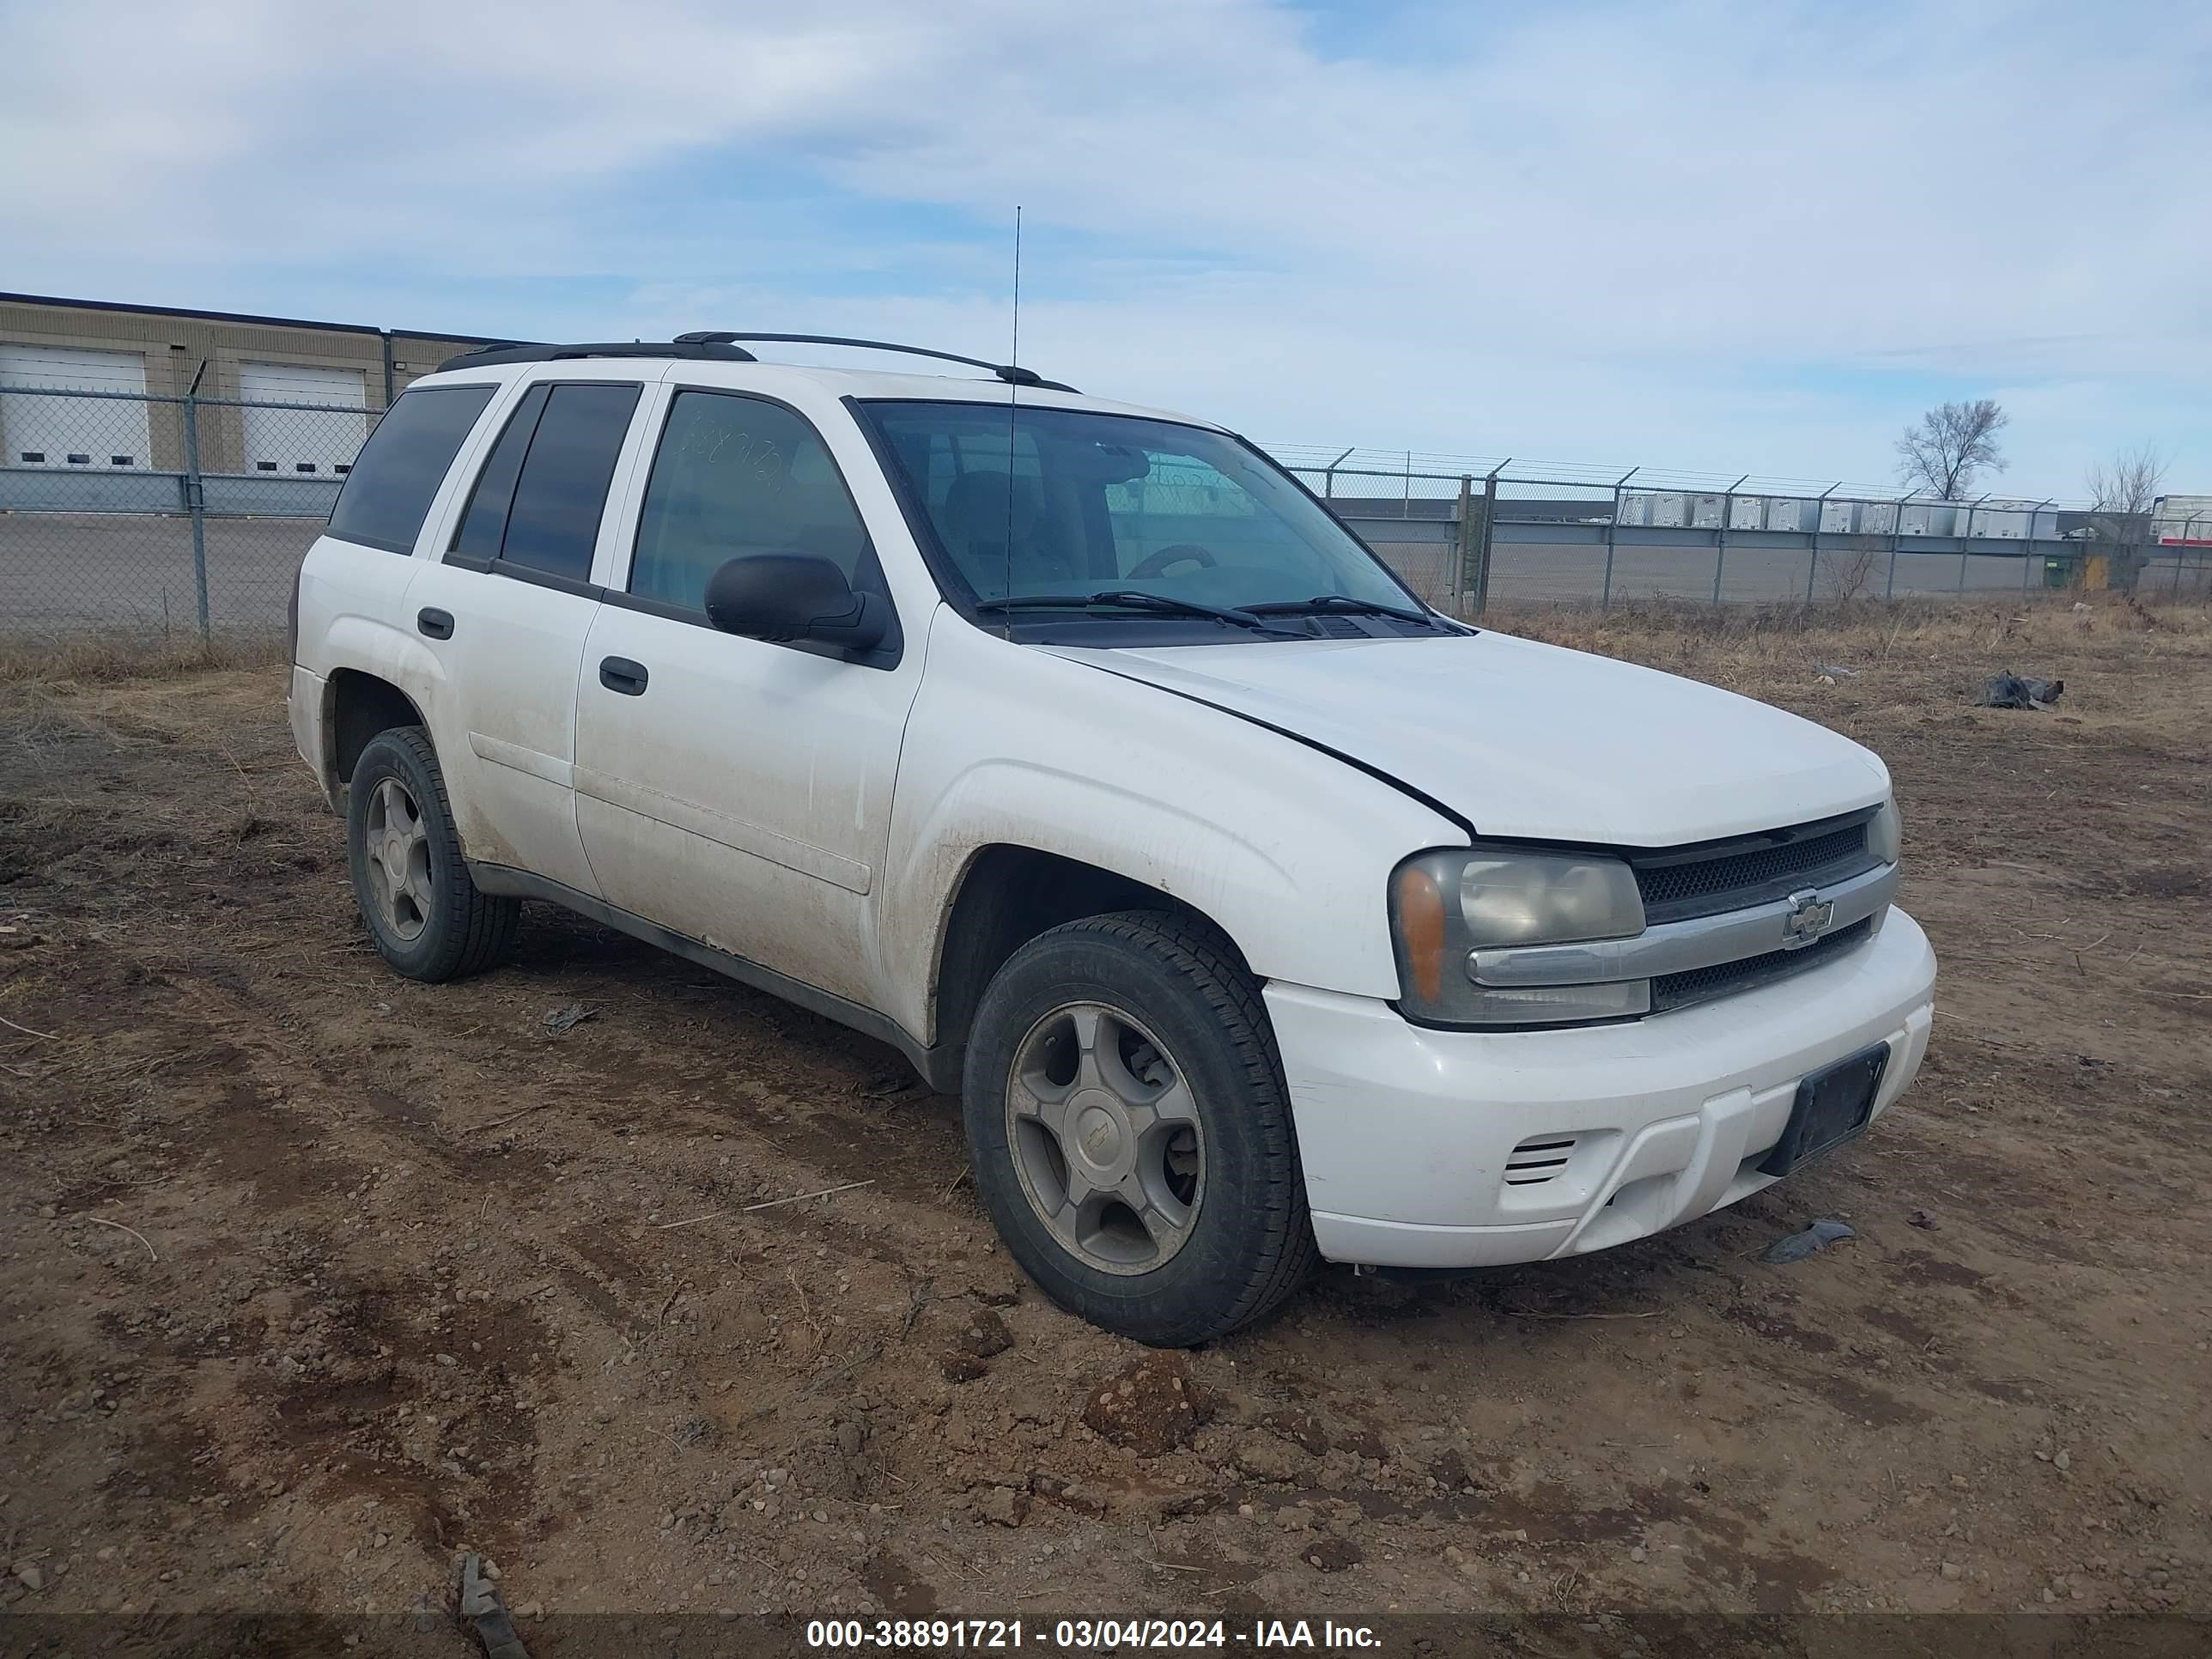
(792, 596)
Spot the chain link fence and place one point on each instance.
(189, 513)
(124, 510)
(1512, 535)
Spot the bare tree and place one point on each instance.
(1851, 571)
(1952, 446)
(2121, 491)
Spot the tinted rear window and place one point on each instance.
(398, 473)
(554, 522)
(485, 520)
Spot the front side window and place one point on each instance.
(395, 475)
(1039, 501)
(735, 477)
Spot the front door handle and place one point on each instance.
(621, 674)
(438, 624)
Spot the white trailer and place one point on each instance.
(2182, 521)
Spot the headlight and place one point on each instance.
(1446, 905)
(1885, 834)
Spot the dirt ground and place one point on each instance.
(311, 1277)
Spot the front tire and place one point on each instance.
(429, 919)
(1130, 1131)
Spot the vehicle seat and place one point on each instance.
(974, 523)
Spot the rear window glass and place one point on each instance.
(397, 474)
(561, 492)
(484, 522)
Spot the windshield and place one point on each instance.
(1055, 501)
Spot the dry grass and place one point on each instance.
(1667, 634)
(1747, 644)
(104, 656)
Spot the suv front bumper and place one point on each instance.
(1407, 1133)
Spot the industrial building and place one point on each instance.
(242, 370)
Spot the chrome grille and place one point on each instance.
(1735, 875)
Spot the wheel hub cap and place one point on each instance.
(1105, 1138)
(1100, 1135)
(397, 849)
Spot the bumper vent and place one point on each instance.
(1751, 870)
(1539, 1159)
(1727, 978)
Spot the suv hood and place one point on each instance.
(1532, 741)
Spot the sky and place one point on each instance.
(1697, 234)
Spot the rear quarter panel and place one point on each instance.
(352, 616)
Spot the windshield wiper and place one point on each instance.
(1342, 604)
(1134, 600)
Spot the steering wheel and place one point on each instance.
(1180, 553)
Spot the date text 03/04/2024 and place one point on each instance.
(1082, 1635)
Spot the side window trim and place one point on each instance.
(529, 505)
(534, 396)
(530, 407)
(537, 578)
(451, 499)
(618, 522)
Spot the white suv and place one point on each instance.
(1255, 910)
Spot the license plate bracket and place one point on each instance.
(1834, 1105)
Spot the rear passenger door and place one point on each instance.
(506, 607)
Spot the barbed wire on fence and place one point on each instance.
(120, 507)
(1465, 539)
(1430, 467)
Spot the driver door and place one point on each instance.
(732, 790)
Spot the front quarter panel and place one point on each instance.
(1289, 850)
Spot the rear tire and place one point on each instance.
(1130, 1131)
(427, 918)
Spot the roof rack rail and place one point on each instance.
(713, 345)
(712, 350)
(1011, 373)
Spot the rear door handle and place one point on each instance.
(621, 674)
(438, 624)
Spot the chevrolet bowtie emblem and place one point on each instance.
(1807, 918)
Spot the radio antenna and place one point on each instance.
(1013, 396)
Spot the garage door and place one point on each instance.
(301, 440)
(51, 431)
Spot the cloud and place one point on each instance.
(1701, 232)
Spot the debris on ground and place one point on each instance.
(1150, 1408)
(893, 1086)
(568, 1017)
(1815, 1239)
(986, 1335)
(2009, 690)
(1923, 1219)
(1333, 1555)
(1828, 670)
(483, 1612)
